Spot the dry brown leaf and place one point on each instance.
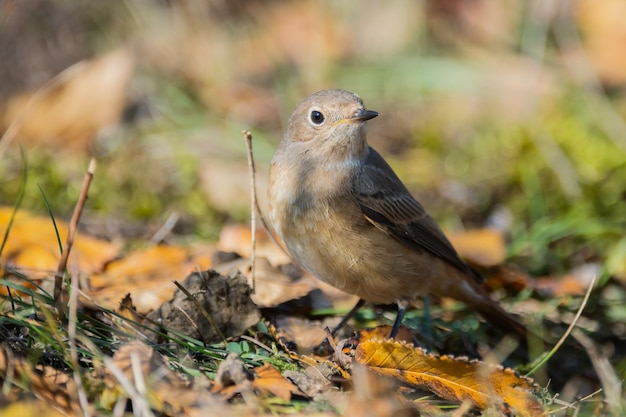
(53, 386)
(89, 96)
(304, 333)
(483, 247)
(232, 378)
(236, 238)
(151, 376)
(510, 278)
(219, 307)
(269, 380)
(272, 285)
(455, 379)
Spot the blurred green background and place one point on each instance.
(506, 114)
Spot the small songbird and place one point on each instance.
(345, 216)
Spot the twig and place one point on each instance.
(71, 234)
(567, 406)
(257, 342)
(254, 206)
(165, 230)
(193, 323)
(556, 347)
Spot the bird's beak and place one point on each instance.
(359, 117)
(362, 116)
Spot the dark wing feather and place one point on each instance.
(387, 203)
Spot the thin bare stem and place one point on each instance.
(71, 234)
(254, 206)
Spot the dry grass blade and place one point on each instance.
(542, 360)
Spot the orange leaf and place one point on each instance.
(33, 246)
(383, 332)
(146, 274)
(232, 378)
(269, 380)
(451, 378)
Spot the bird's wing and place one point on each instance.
(386, 203)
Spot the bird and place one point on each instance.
(344, 215)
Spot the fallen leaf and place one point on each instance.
(221, 307)
(383, 332)
(55, 387)
(32, 246)
(375, 395)
(232, 378)
(483, 247)
(237, 238)
(272, 285)
(456, 379)
(509, 278)
(149, 374)
(146, 274)
(559, 286)
(269, 380)
(69, 113)
(155, 260)
(34, 408)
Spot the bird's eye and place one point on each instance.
(317, 117)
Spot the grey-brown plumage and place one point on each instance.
(345, 216)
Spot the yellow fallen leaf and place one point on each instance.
(33, 408)
(33, 247)
(455, 379)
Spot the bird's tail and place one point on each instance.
(503, 320)
(471, 293)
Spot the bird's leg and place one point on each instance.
(402, 306)
(348, 316)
